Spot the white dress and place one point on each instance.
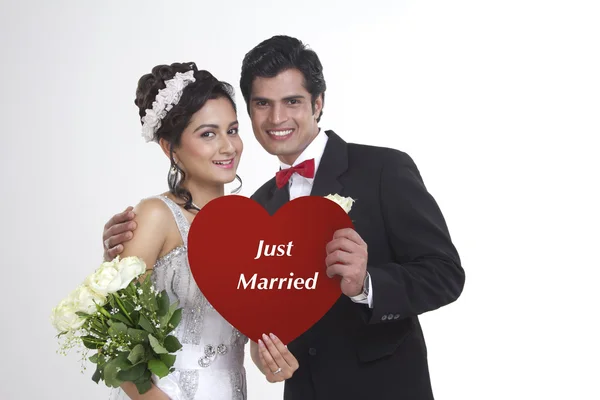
(210, 366)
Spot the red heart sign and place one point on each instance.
(262, 273)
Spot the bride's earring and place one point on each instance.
(239, 188)
(174, 176)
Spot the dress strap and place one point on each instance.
(182, 223)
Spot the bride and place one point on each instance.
(192, 116)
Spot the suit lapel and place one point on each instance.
(278, 198)
(333, 164)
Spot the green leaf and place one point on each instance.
(91, 342)
(173, 307)
(168, 359)
(99, 326)
(131, 288)
(82, 314)
(158, 368)
(144, 384)
(97, 375)
(137, 335)
(132, 374)
(147, 299)
(103, 310)
(111, 374)
(94, 358)
(164, 319)
(172, 344)
(156, 346)
(150, 354)
(121, 318)
(135, 316)
(174, 321)
(136, 354)
(126, 364)
(129, 306)
(121, 360)
(117, 328)
(145, 324)
(163, 303)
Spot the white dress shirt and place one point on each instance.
(300, 186)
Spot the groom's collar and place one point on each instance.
(314, 150)
(332, 153)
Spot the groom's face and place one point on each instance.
(282, 115)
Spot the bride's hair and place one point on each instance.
(193, 98)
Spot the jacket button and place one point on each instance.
(312, 351)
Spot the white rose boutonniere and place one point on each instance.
(344, 202)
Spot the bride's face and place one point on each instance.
(210, 148)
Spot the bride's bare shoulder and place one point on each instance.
(153, 207)
(152, 231)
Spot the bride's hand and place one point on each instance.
(278, 363)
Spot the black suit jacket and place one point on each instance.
(357, 353)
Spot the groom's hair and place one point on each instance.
(278, 54)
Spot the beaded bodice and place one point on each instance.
(213, 350)
(200, 323)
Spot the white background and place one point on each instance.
(497, 102)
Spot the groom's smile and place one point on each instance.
(280, 134)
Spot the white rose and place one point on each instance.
(344, 202)
(63, 316)
(105, 280)
(85, 299)
(130, 268)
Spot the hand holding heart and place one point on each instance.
(347, 256)
(278, 363)
(275, 263)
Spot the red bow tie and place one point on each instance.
(306, 169)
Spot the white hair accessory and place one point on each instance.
(165, 100)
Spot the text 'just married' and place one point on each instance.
(281, 250)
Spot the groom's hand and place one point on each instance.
(117, 231)
(347, 256)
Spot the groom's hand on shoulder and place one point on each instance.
(347, 256)
(118, 230)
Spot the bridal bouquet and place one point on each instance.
(127, 322)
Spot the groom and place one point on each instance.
(398, 263)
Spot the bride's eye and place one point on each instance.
(234, 131)
(207, 134)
